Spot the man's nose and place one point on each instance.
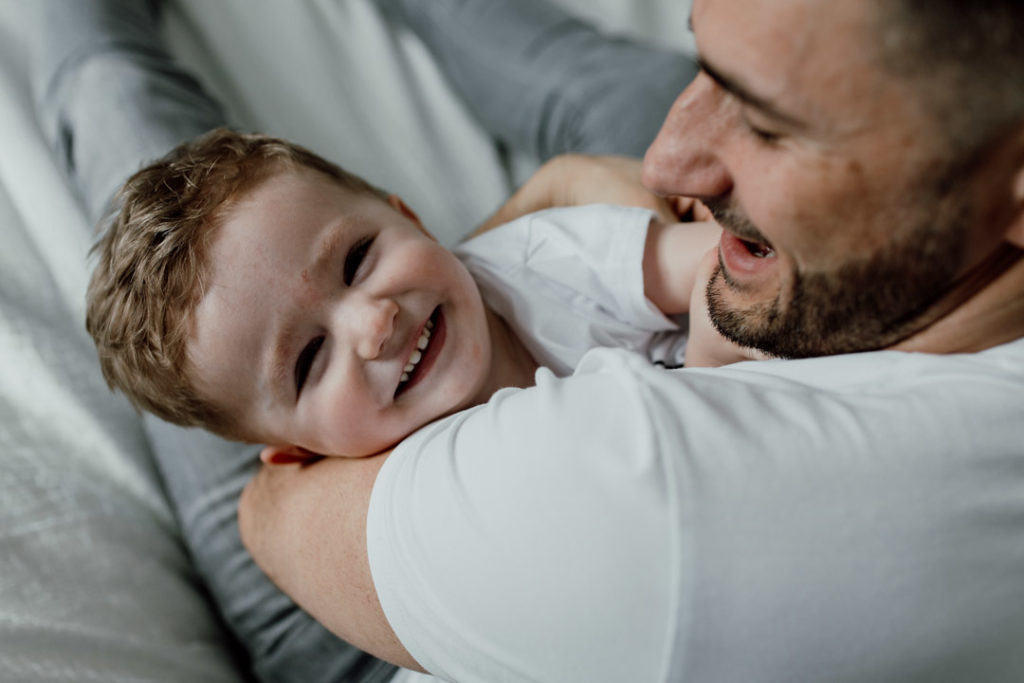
(371, 322)
(683, 159)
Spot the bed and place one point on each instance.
(95, 580)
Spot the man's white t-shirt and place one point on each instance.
(851, 518)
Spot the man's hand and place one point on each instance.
(576, 179)
(305, 525)
(706, 346)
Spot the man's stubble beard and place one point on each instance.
(865, 304)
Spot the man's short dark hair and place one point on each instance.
(967, 59)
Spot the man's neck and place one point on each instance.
(985, 309)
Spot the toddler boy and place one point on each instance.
(255, 289)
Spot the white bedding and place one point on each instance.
(94, 581)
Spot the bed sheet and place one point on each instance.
(95, 583)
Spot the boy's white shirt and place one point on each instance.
(570, 279)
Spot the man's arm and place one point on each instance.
(323, 566)
(545, 82)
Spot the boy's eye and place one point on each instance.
(305, 361)
(355, 258)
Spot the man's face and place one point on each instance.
(843, 221)
(319, 299)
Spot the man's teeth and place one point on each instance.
(758, 250)
(417, 354)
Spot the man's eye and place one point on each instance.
(305, 361)
(764, 135)
(761, 134)
(355, 258)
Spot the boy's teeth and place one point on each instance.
(417, 354)
(424, 339)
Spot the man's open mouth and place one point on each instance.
(422, 357)
(757, 249)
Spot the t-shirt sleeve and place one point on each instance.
(492, 533)
(767, 521)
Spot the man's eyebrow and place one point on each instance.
(747, 96)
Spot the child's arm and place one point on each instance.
(675, 277)
(576, 179)
(671, 256)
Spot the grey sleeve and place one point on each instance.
(545, 82)
(204, 477)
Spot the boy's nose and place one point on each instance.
(372, 322)
(683, 160)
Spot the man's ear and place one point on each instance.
(1015, 233)
(401, 207)
(286, 455)
(1013, 151)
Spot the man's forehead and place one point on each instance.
(800, 54)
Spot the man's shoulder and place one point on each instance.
(618, 406)
(611, 387)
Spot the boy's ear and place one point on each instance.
(286, 455)
(401, 207)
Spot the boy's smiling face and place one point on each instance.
(316, 302)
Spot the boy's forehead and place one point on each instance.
(261, 239)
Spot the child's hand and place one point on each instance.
(706, 346)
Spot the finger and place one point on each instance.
(701, 212)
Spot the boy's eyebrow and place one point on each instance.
(741, 92)
(281, 366)
(326, 251)
(282, 356)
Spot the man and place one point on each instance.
(853, 516)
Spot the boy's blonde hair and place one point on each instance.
(152, 262)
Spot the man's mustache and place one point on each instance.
(734, 220)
